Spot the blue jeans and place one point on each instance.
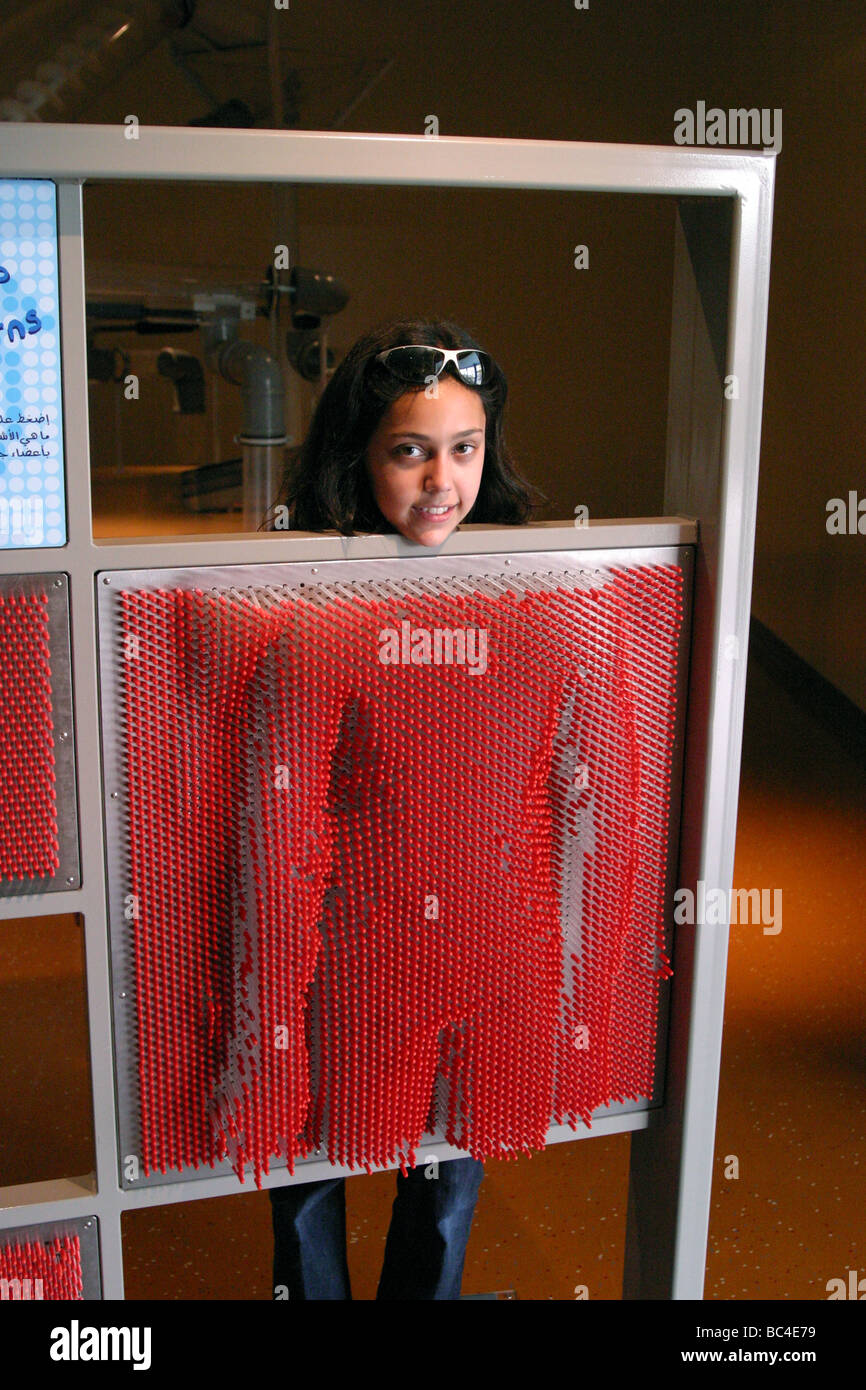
(426, 1243)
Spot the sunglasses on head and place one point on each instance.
(416, 363)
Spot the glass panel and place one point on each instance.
(167, 428)
(46, 1110)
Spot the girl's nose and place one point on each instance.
(438, 470)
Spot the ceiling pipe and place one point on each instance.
(79, 59)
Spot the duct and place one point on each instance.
(263, 434)
(257, 373)
(57, 82)
(185, 373)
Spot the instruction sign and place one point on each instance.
(32, 501)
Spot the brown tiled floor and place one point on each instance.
(792, 1104)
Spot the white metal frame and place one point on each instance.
(721, 287)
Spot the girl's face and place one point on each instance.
(425, 458)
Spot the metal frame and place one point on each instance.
(721, 288)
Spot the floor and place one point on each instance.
(787, 1209)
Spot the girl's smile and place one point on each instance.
(425, 460)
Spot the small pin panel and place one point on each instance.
(41, 1269)
(29, 843)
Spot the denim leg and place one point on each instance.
(429, 1229)
(309, 1222)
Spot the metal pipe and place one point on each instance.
(263, 434)
(81, 56)
(262, 475)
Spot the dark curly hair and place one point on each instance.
(326, 486)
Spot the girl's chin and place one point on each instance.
(417, 529)
(430, 540)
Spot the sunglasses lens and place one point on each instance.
(414, 363)
(472, 366)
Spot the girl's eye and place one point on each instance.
(466, 445)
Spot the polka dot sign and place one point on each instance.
(32, 506)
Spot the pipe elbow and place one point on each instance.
(260, 378)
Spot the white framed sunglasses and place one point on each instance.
(416, 363)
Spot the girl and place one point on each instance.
(407, 437)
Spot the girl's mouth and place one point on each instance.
(434, 513)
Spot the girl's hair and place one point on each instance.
(326, 486)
